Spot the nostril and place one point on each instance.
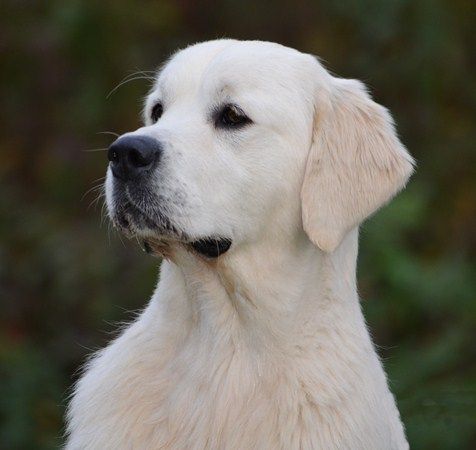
(113, 155)
(139, 159)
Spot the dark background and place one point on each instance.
(66, 280)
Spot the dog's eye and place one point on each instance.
(157, 111)
(232, 117)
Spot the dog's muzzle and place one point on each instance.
(132, 160)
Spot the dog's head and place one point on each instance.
(250, 139)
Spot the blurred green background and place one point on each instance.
(65, 280)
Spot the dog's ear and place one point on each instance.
(356, 163)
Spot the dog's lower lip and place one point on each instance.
(211, 247)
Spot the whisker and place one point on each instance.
(100, 195)
(146, 73)
(95, 149)
(122, 242)
(95, 202)
(109, 233)
(122, 83)
(104, 215)
(108, 132)
(93, 189)
(99, 179)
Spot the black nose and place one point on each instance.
(133, 156)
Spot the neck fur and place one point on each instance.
(272, 300)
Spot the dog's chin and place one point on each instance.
(132, 222)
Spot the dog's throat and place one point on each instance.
(211, 247)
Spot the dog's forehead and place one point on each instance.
(216, 64)
(188, 65)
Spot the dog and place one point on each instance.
(250, 177)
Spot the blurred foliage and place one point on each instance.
(65, 280)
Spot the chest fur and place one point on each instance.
(143, 393)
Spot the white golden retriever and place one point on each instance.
(251, 176)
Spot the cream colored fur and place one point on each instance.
(266, 346)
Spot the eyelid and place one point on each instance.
(219, 109)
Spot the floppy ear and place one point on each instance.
(355, 164)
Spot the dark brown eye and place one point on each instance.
(232, 117)
(157, 111)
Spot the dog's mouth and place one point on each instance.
(158, 234)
